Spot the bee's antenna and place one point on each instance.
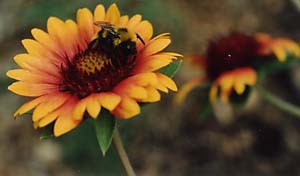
(140, 38)
(102, 23)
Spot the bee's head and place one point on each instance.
(126, 34)
(108, 38)
(128, 48)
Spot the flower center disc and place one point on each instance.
(99, 68)
(233, 51)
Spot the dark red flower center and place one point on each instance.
(230, 52)
(100, 67)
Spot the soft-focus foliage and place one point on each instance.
(258, 140)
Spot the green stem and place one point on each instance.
(122, 153)
(278, 102)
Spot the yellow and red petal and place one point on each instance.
(123, 20)
(153, 63)
(235, 80)
(49, 118)
(45, 39)
(85, 21)
(141, 79)
(36, 49)
(113, 14)
(65, 122)
(156, 45)
(145, 30)
(246, 76)
(166, 81)
(73, 33)
(99, 13)
(152, 95)
(29, 105)
(213, 93)
(134, 21)
(131, 90)
(60, 33)
(37, 65)
(108, 100)
(127, 108)
(32, 89)
(186, 89)
(79, 109)
(93, 107)
(50, 104)
(93, 103)
(30, 76)
(280, 47)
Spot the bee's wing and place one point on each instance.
(103, 24)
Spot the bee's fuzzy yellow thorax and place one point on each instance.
(124, 35)
(127, 35)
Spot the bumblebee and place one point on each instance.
(117, 44)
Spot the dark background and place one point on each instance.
(164, 140)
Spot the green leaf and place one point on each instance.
(171, 69)
(105, 126)
(272, 66)
(47, 132)
(204, 112)
(29, 112)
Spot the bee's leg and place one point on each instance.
(92, 45)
